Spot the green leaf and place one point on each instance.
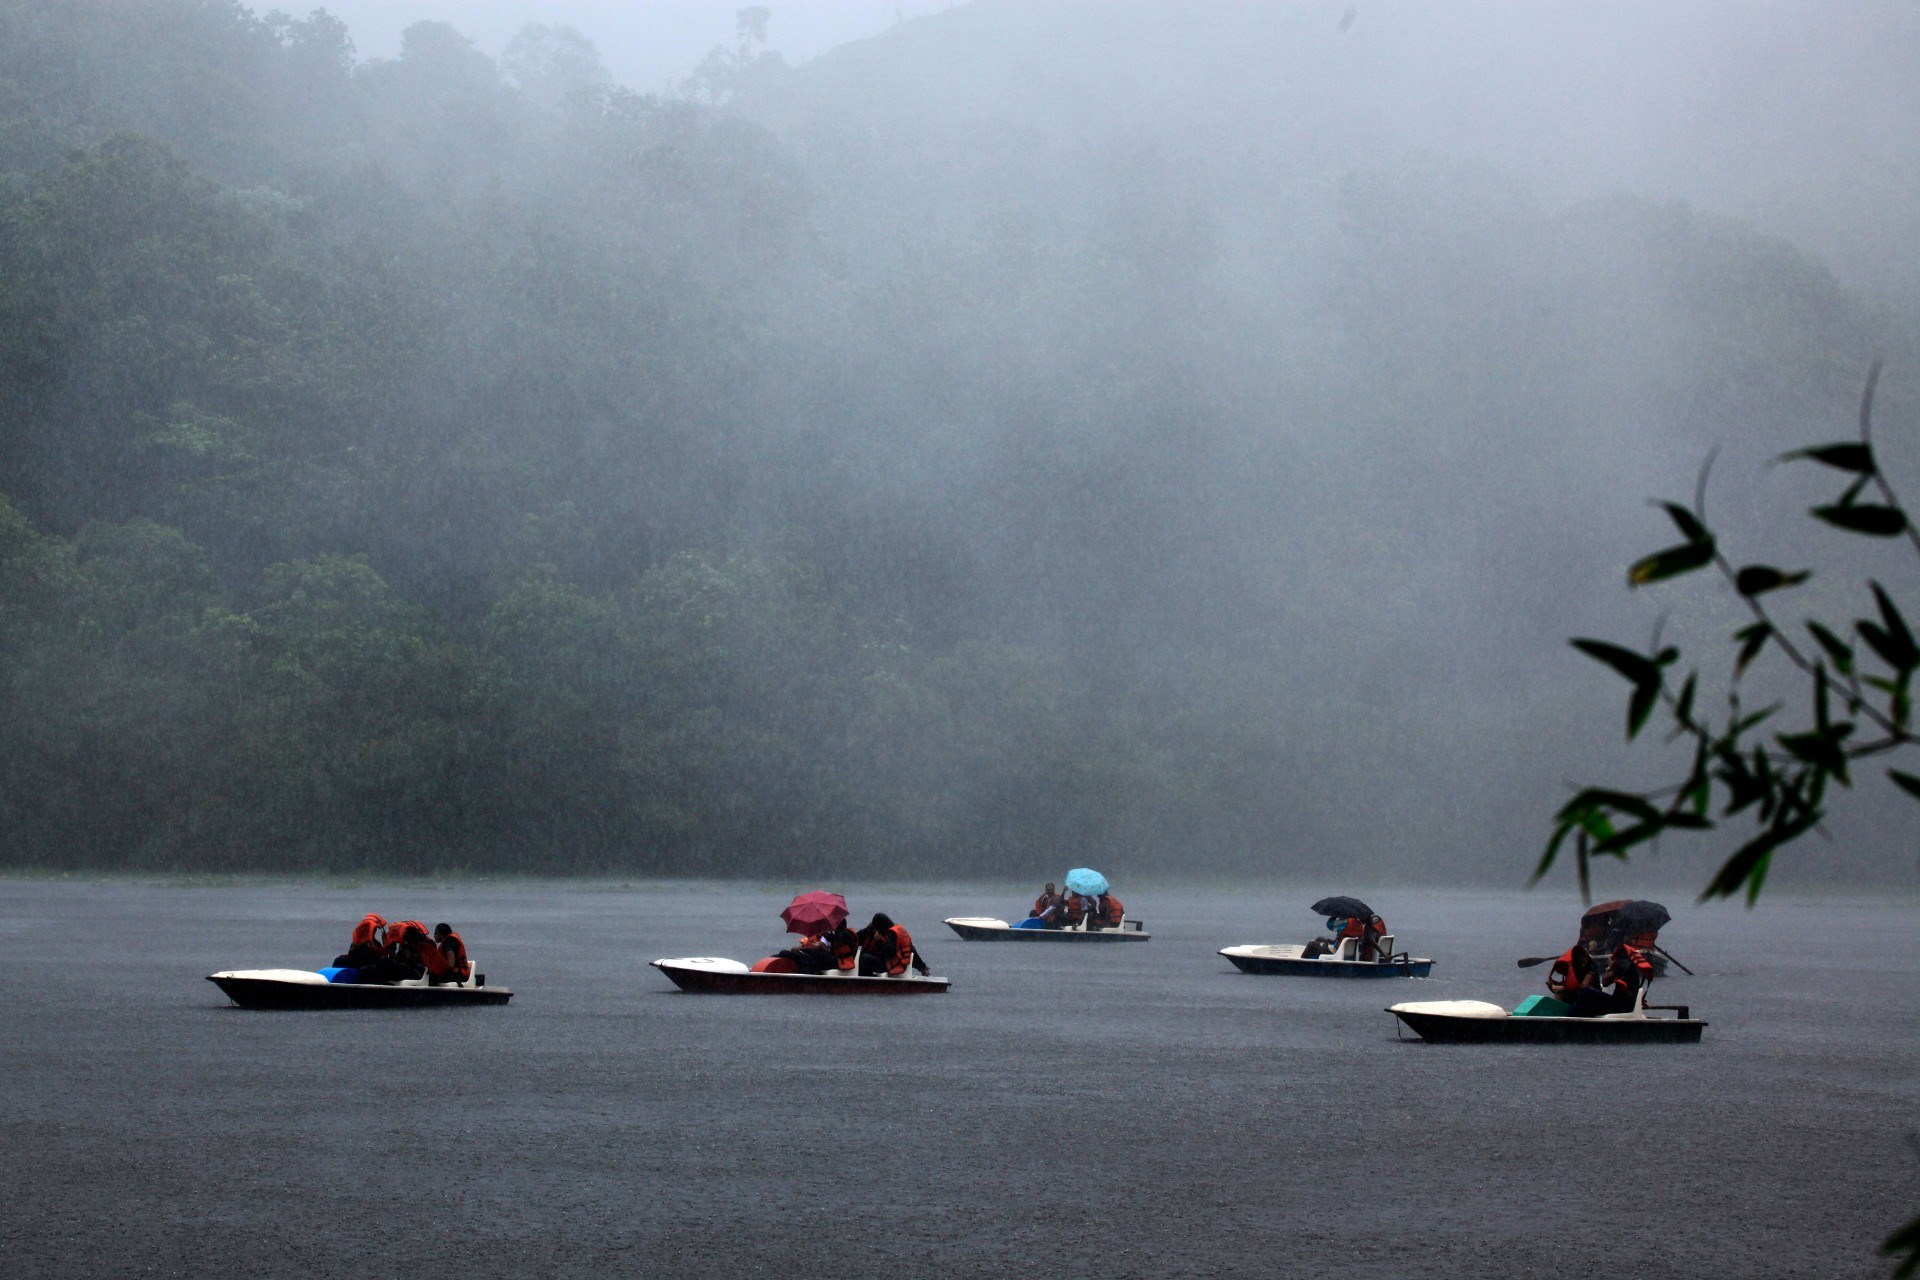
(1618, 844)
(1897, 631)
(1690, 527)
(1845, 456)
(1840, 652)
(1752, 639)
(1639, 707)
(1637, 669)
(1553, 848)
(1758, 579)
(1595, 800)
(1874, 521)
(1906, 1240)
(1748, 865)
(1683, 705)
(1888, 646)
(1670, 563)
(1906, 782)
(1821, 750)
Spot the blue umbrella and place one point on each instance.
(1086, 882)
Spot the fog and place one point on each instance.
(919, 439)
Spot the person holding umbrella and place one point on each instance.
(826, 943)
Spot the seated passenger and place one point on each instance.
(446, 959)
(844, 943)
(407, 941)
(886, 947)
(1577, 980)
(814, 954)
(1046, 906)
(1105, 912)
(1370, 934)
(1073, 912)
(366, 945)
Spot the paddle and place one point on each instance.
(1531, 961)
(1675, 963)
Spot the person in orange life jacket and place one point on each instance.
(1371, 932)
(1573, 973)
(445, 959)
(1072, 911)
(366, 945)
(1047, 905)
(1105, 912)
(886, 947)
(1627, 972)
(407, 941)
(844, 943)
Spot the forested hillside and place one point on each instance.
(461, 463)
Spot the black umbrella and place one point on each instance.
(1641, 917)
(1351, 908)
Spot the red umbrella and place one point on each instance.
(815, 912)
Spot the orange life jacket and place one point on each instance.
(1572, 971)
(406, 939)
(449, 957)
(1112, 912)
(845, 944)
(363, 933)
(902, 952)
(1354, 928)
(1631, 966)
(1076, 908)
(1370, 934)
(1041, 903)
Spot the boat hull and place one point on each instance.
(1506, 1028)
(983, 929)
(290, 989)
(707, 975)
(1290, 962)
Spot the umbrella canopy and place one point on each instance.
(1629, 915)
(1346, 908)
(815, 912)
(1087, 882)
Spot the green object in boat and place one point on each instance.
(1541, 1007)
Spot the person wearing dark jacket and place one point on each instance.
(403, 962)
(886, 947)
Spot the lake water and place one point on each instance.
(1132, 1110)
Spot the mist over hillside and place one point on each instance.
(1175, 438)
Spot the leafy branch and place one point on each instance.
(1859, 689)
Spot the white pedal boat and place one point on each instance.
(988, 929)
(1477, 1022)
(305, 989)
(1292, 961)
(716, 975)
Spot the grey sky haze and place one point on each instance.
(648, 45)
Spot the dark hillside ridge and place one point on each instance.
(418, 466)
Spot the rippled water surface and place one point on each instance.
(1130, 1110)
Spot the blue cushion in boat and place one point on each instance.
(338, 975)
(1031, 922)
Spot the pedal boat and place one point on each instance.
(304, 989)
(1293, 962)
(988, 929)
(1477, 1022)
(715, 975)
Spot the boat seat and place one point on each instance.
(1383, 947)
(1347, 949)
